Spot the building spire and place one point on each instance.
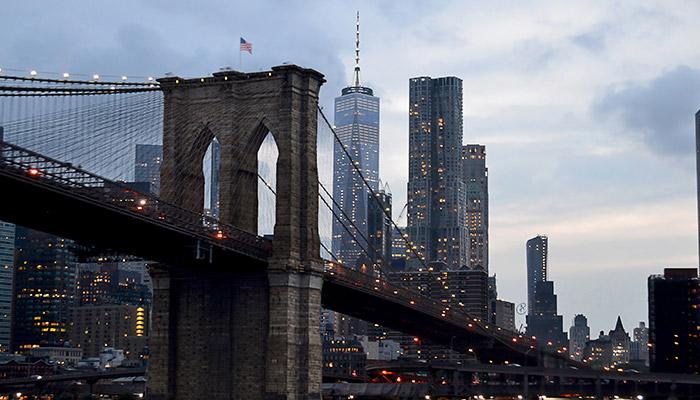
(357, 51)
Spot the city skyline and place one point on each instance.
(586, 110)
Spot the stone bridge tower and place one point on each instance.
(241, 332)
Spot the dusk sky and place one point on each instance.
(586, 109)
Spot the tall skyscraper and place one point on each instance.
(357, 126)
(579, 335)
(674, 317)
(477, 184)
(45, 269)
(147, 168)
(436, 189)
(7, 256)
(537, 254)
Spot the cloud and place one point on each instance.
(658, 112)
(594, 42)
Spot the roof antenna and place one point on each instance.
(357, 51)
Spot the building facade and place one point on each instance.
(357, 127)
(120, 326)
(7, 256)
(639, 348)
(537, 258)
(399, 238)
(544, 323)
(579, 335)
(436, 190)
(464, 288)
(45, 268)
(620, 344)
(379, 226)
(476, 180)
(674, 317)
(147, 167)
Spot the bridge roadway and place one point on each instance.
(452, 381)
(55, 197)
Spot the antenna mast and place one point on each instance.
(357, 51)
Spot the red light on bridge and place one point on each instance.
(220, 235)
(515, 339)
(415, 339)
(33, 172)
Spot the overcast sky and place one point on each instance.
(586, 108)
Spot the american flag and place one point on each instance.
(245, 46)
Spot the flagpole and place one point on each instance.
(239, 60)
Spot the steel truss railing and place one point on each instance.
(77, 183)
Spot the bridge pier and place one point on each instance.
(235, 332)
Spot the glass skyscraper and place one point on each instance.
(436, 190)
(357, 126)
(44, 289)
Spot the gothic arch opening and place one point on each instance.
(267, 185)
(211, 169)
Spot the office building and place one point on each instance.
(343, 358)
(620, 344)
(379, 226)
(7, 256)
(579, 335)
(503, 314)
(597, 353)
(544, 323)
(464, 288)
(147, 168)
(476, 180)
(639, 348)
(44, 289)
(436, 190)
(120, 326)
(399, 237)
(113, 282)
(674, 317)
(357, 126)
(537, 255)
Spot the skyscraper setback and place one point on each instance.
(436, 190)
(357, 126)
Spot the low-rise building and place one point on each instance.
(59, 355)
